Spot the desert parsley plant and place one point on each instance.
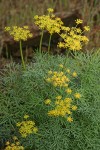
(20, 34)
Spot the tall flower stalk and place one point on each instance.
(50, 23)
(49, 43)
(20, 34)
(21, 53)
(41, 39)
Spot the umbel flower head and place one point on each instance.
(19, 33)
(49, 22)
(27, 127)
(73, 38)
(15, 145)
(63, 108)
(58, 79)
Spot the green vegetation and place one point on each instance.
(24, 92)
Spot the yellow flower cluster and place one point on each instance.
(19, 33)
(69, 91)
(62, 106)
(47, 101)
(77, 95)
(50, 10)
(73, 38)
(27, 127)
(58, 78)
(15, 145)
(79, 21)
(74, 74)
(49, 22)
(86, 28)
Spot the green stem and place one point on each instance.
(49, 43)
(40, 47)
(21, 53)
(67, 54)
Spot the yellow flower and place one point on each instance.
(55, 72)
(52, 16)
(12, 145)
(48, 80)
(63, 36)
(25, 27)
(65, 85)
(15, 138)
(79, 21)
(69, 119)
(36, 17)
(77, 95)
(67, 79)
(68, 100)
(69, 91)
(53, 113)
(57, 102)
(17, 143)
(78, 30)
(35, 129)
(7, 28)
(7, 143)
(59, 97)
(18, 124)
(74, 107)
(8, 148)
(74, 74)
(58, 78)
(65, 28)
(61, 66)
(47, 101)
(61, 45)
(86, 28)
(21, 148)
(50, 72)
(50, 10)
(26, 128)
(55, 84)
(49, 22)
(19, 33)
(85, 39)
(68, 70)
(26, 116)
